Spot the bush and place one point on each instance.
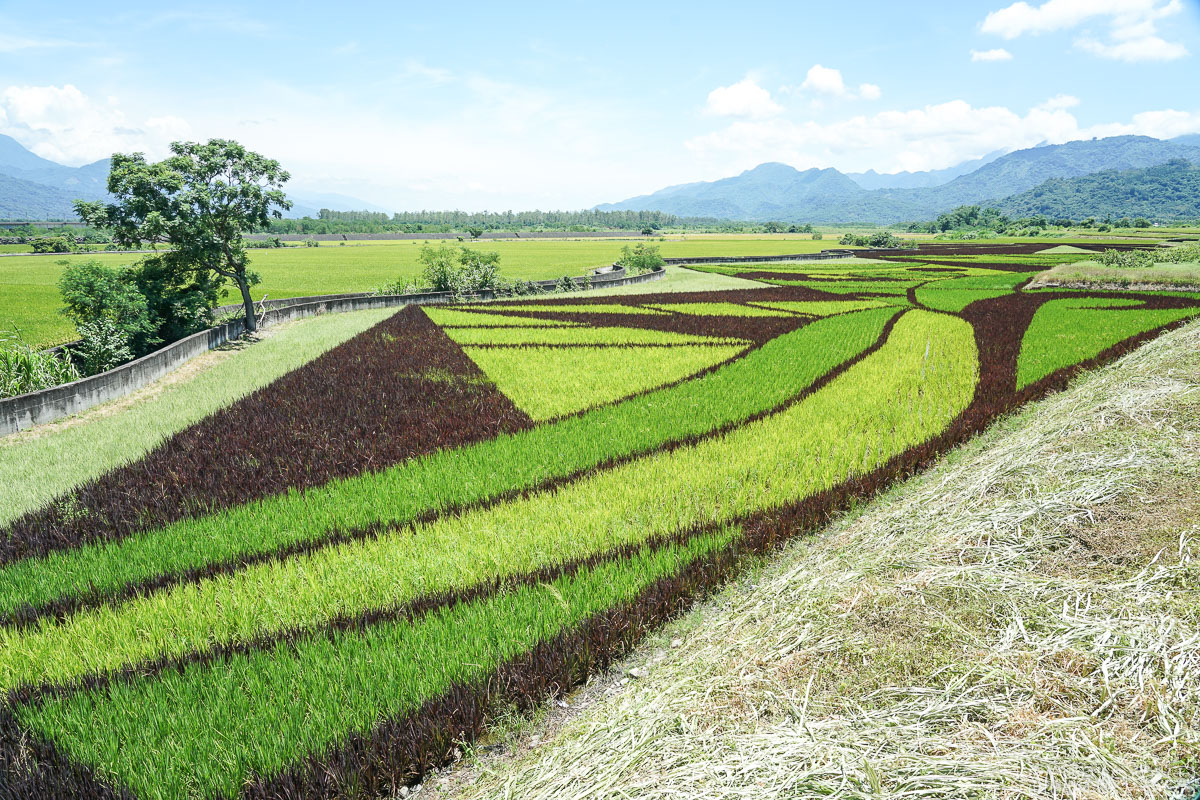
(92, 292)
(461, 270)
(565, 284)
(640, 258)
(1127, 259)
(53, 244)
(817, 236)
(102, 346)
(24, 369)
(312, 243)
(884, 239)
(263, 244)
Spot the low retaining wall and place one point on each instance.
(36, 408)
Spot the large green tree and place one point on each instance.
(199, 201)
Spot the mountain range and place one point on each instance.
(775, 191)
(35, 188)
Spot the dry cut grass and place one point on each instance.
(1092, 275)
(1022, 621)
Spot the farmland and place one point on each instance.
(29, 297)
(322, 587)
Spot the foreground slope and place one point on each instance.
(1022, 621)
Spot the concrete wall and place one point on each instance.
(36, 408)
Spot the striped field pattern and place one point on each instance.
(323, 588)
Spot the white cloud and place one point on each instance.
(995, 54)
(743, 99)
(1132, 24)
(931, 137)
(1146, 48)
(63, 124)
(1058, 102)
(824, 80)
(827, 81)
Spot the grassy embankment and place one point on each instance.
(1092, 275)
(1021, 621)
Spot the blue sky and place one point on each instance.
(568, 104)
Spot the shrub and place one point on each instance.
(263, 244)
(53, 244)
(441, 271)
(312, 243)
(102, 346)
(24, 369)
(1127, 259)
(92, 292)
(565, 284)
(640, 258)
(817, 236)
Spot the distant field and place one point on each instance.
(29, 296)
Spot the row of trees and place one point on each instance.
(980, 219)
(334, 222)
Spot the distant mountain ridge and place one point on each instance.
(35, 188)
(1168, 191)
(920, 180)
(779, 192)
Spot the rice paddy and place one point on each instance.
(323, 587)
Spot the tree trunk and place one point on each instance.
(248, 304)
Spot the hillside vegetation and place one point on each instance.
(1166, 191)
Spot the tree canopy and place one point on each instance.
(200, 201)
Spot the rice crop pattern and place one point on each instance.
(325, 588)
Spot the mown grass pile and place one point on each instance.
(480, 505)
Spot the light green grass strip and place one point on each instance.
(580, 335)
(205, 730)
(720, 310)
(1066, 332)
(824, 308)
(38, 465)
(576, 308)
(894, 399)
(955, 300)
(467, 319)
(547, 382)
(759, 381)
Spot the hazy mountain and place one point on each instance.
(918, 180)
(1024, 169)
(1189, 139)
(1166, 191)
(769, 192)
(32, 187)
(779, 192)
(21, 199)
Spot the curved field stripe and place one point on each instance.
(548, 382)
(1066, 332)
(819, 308)
(577, 336)
(720, 310)
(900, 396)
(954, 300)
(210, 727)
(756, 383)
(571, 308)
(448, 317)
